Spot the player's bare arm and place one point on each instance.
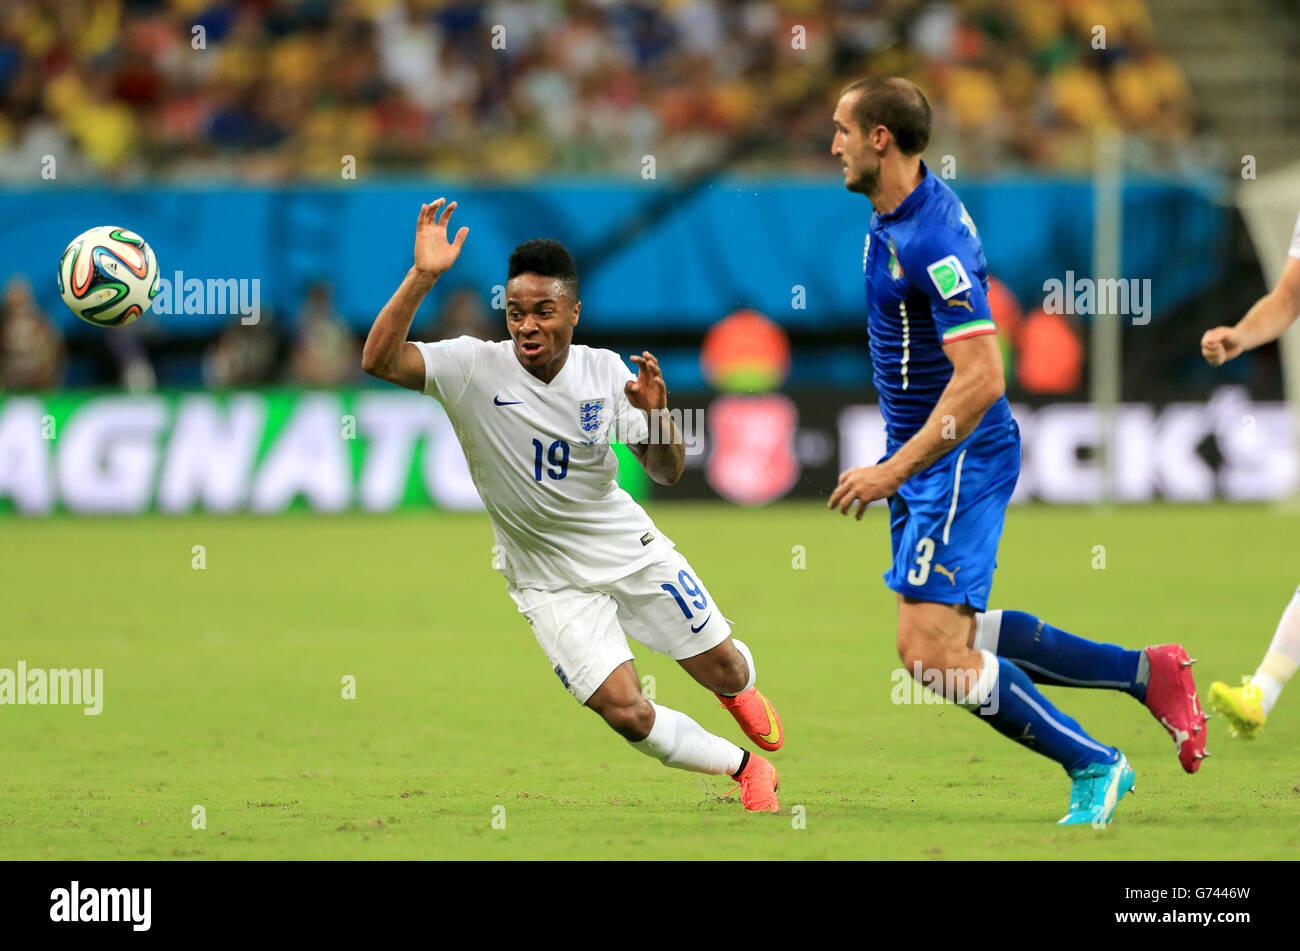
(664, 456)
(388, 355)
(976, 384)
(1271, 315)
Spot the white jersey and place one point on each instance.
(541, 459)
(1295, 241)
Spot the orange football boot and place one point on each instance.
(756, 717)
(758, 785)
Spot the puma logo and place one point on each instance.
(1180, 736)
(952, 575)
(960, 302)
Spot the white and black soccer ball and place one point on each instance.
(108, 276)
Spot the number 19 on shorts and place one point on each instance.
(691, 588)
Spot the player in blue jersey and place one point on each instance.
(951, 463)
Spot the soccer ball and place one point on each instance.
(108, 276)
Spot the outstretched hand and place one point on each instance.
(648, 391)
(434, 254)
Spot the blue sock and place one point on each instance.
(1052, 656)
(1016, 709)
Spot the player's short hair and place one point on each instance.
(547, 257)
(898, 105)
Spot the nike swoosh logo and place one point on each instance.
(772, 729)
(696, 630)
(498, 402)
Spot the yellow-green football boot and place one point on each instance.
(1240, 706)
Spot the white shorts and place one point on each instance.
(584, 630)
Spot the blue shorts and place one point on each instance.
(945, 522)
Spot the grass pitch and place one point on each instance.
(223, 689)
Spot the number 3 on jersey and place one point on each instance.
(557, 456)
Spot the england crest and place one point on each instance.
(591, 415)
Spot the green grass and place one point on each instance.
(223, 689)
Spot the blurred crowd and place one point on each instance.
(313, 347)
(31, 349)
(1042, 353)
(274, 90)
(286, 90)
(320, 349)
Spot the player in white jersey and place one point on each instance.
(1246, 707)
(536, 416)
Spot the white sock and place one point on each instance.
(678, 741)
(749, 662)
(1282, 658)
(984, 684)
(988, 627)
(1270, 688)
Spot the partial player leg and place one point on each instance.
(932, 643)
(676, 740)
(1052, 656)
(945, 523)
(1248, 706)
(728, 670)
(579, 631)
(1159, 677)
(668, 609)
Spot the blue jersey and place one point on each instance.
(926, 284)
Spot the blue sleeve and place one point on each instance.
(946, 264)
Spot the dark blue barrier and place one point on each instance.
(726, 244)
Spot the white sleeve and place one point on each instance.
(1295, 241)
(633, 426)
(448, 365)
